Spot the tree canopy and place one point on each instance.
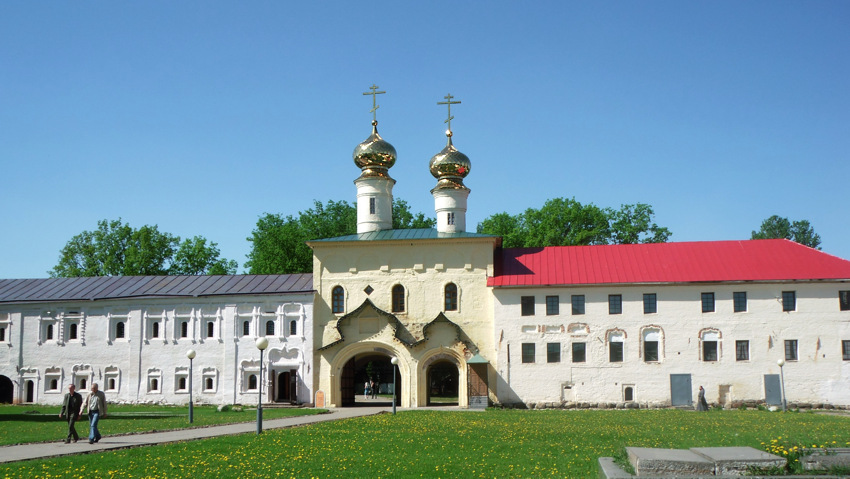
(278, 242)
(566, 222)
(117, 249)
(778, 227)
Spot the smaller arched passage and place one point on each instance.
(7, 390)
(442, 379)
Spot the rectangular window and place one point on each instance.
(742, 350)
(709, 350)
(650, 304)
(790, 349)
(577, 301)
(372, 206)
(844, 300)
(789, 301)
(615, 304)
(552, 307)
(650, 351)
(739, 300)
(2, 334)
(615, 351)
(450, 218)
(528, 352)
(579, 353)
(707, 302)
(527, 305)
(553, 353)
(845, 350)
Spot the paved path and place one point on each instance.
(53, 449)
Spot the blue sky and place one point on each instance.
(200, 116)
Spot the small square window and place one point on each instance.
(579, 353)
(739, 300)
(789, 301)
(527, 303)
(650, 304)
(742, 350)
(790, 349)
(527, 352)
(615, 304)
(577, 301)
(707, 302)
(552, 307)
(844, 300)
(553, 353)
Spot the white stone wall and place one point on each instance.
(819, 375)
(146, 364)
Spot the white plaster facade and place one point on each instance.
(135, 349)
(820, 374)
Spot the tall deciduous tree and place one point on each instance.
(778, 227)
(278, 242)
(116, 249)
(566, 222)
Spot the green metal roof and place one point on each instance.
(404, 234)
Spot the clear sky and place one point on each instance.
(200, 116)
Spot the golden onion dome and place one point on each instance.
(374, 156)
(450, 166)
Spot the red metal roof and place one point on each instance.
(705, 261)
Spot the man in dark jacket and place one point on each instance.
(71, 407)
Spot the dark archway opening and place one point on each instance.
(30, 388)
(443, 380)
(287, 386)
(358, 375)
(7, 390)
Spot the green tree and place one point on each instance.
(566, 222)
(278, 242)
(778, 227)
(117, 249)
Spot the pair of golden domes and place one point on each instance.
(375, 156)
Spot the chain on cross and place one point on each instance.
(375, 105)
(449, 102)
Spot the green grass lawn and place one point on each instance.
(495, 443)
(26, 424)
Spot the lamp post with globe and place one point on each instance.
(191, 355)
(262, 344)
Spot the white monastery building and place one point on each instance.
(447, 317)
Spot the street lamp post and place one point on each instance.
(781, 363)
(191, 355)
(262, 344)
(395, 366)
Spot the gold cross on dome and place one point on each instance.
(375, 106)
(449, 102)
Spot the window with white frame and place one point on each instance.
(53, 380)
(181, 380)
(73, 324)
(293, 315)
(5, 327)
(209, 378)
(82, 377)
(111, 379)
(791, 350)
(651, 345)
(154, 381)
(710, 346)
(616, 347)
(155, 325)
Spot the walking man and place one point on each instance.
(96, 407)
(71, 407)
